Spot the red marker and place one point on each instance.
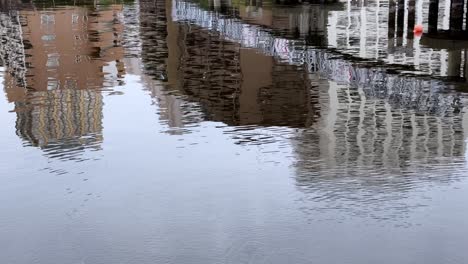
(418, 30)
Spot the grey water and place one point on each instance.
(174, 131)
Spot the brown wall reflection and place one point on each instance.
(240, 86)
(68, 55)
(233, 85)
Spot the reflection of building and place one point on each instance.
(368, 125)
(239, 86)
(294, 20)
(216, 77)
(153, 32)
(70, 49)
(61, 119)
(367, 132)
(363, 30)
(306, 21)
(68, 55)
(364, 155)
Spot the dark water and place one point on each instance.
(228, 132)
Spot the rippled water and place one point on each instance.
(218, 132)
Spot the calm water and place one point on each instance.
(213, 132)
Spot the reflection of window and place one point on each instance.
(47, 19)
(52, 60)
(48, 37)
(75, 18)
(52, 84)
(77, 58)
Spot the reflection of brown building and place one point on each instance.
(296, 20)
(234, 85)
(70, 53)
(70, 48)
(230, 84)
(63, 119)
(300, 20)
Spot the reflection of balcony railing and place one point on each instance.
(62, 122)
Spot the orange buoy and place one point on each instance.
(418, 30)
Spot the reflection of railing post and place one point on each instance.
(411, 17)
(433, 16)
(456, 17)
(391, 18)
(391, 25)
(400, 18)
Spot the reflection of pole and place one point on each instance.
(411, 17)
(391, 18)
(400, 21)
(456, 16)
(391, 25)
(433, 16)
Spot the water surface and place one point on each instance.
(215, 132)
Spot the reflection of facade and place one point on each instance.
(364, 154)
(360, 30)
(307, 21)
(357, 131)
(70, 49)
(153, 32)
(368, 119)
(363, 31)
(239, 86)
(216, 77)
(68, 55)
(65, 119)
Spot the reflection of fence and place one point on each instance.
(402, 91)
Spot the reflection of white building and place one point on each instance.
(362, 30)
(366, 115)
(293, 51)
(358, 130)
